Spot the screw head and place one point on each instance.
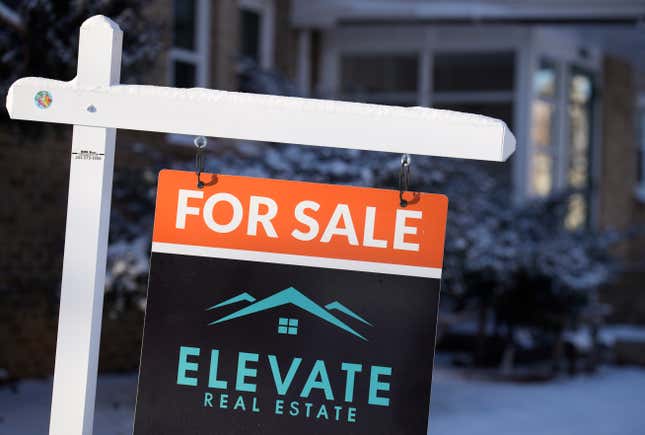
(200, 142)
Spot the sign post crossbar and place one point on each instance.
(96, 104)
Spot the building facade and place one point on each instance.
(568, 77)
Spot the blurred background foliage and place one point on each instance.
(37, 41)
(517, 266)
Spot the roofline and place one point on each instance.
(328, 13)
(617, 21)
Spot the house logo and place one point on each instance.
(290, 325)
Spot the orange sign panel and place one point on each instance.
(294, 218)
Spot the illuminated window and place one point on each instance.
(287, 326)
(580, 134)
(543, 156)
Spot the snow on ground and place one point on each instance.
(611, 402)
(27, 411)
(632, 333)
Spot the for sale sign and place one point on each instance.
(281, 307)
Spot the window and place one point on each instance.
(477, 82)
(580, 134)
(474, 71)
(189, 53)
(287, 326)
(562, 131)
(640, 152)
(257, 31)
(380, 78)
(250, 23)
(543, 149)
(184, 74)
(184, 25)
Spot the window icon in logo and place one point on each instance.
(287, 326)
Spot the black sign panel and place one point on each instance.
(241, 347)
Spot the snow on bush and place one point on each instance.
(494, 248)
(487, 234)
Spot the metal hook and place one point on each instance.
(200, 143)
(404, 178)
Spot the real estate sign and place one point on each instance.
(288, 307)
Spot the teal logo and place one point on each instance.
(290, 325)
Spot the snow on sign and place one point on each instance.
(288, 307)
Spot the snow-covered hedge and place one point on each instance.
(494, 248)
(487, 236)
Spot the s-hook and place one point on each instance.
(200, 145)
(404, 178)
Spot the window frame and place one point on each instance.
(588, 192)
(201, 55)
(266, 10)
(558, 138)
(424, 42)
(386, 96)
(565, 50)
(200, 58)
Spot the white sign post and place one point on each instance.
(96, 104)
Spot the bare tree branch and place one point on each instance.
(10, 17)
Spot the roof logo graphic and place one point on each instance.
(290, 296)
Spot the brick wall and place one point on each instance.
(32, 215)
(618, 207)
(618, 172)
(34, 185)
(29, 322)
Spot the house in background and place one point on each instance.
(565, 76)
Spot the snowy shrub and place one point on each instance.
(491, 245)
(516, 262)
